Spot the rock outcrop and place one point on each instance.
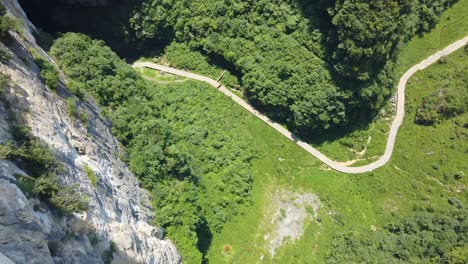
(119, 210)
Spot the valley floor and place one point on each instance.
(419, 175)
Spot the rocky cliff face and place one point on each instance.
(119, 210)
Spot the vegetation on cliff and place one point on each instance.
(196, 164)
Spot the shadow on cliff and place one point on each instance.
(108, 22)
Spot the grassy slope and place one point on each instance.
(452, 26)
(359, 201)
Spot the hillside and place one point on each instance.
(116, 164)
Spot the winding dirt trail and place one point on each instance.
(332, 164)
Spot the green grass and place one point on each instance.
(159, 76)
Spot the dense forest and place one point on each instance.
(171, 144)
(311, 64)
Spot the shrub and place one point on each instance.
(441, 104)
(68, 201)
(4, 83)
(420, 238)
(34, 157)
(455, 202)
(108, 255)
(5, 56)
(71, 107)
(6, 150)
(77, 88)
(10, 23)
(459, 175)
(90, 174)
(62, 198)
(49, 74)
(25, 184)
(443, 60)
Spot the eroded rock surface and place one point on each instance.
(119, 210)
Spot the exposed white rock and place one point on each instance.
(286, 217)
(119, 209)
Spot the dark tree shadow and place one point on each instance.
(205, 238)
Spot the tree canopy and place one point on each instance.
(311, 64)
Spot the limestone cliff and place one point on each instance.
(119, 210)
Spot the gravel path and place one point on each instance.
(332, 164)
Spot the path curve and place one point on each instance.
(330, 163)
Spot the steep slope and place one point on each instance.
(118, 213)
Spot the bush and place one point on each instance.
(5, 56)
(455, 202)
(459, 175)
(442, 104)
(91, 176)
(26, 185)
(4, 84)
(68, 201)
(62, 198)
(108, 255)
(421, 238)
(77, 88)
(49, 74)
(71, 107)
(6, 150)
(443, 60)
(34, 157)
(8, 23)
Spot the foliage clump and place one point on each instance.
(422, 238)
(93, 179)
(441, 104)
(48, 72)
(7, 23)
(5, 56)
